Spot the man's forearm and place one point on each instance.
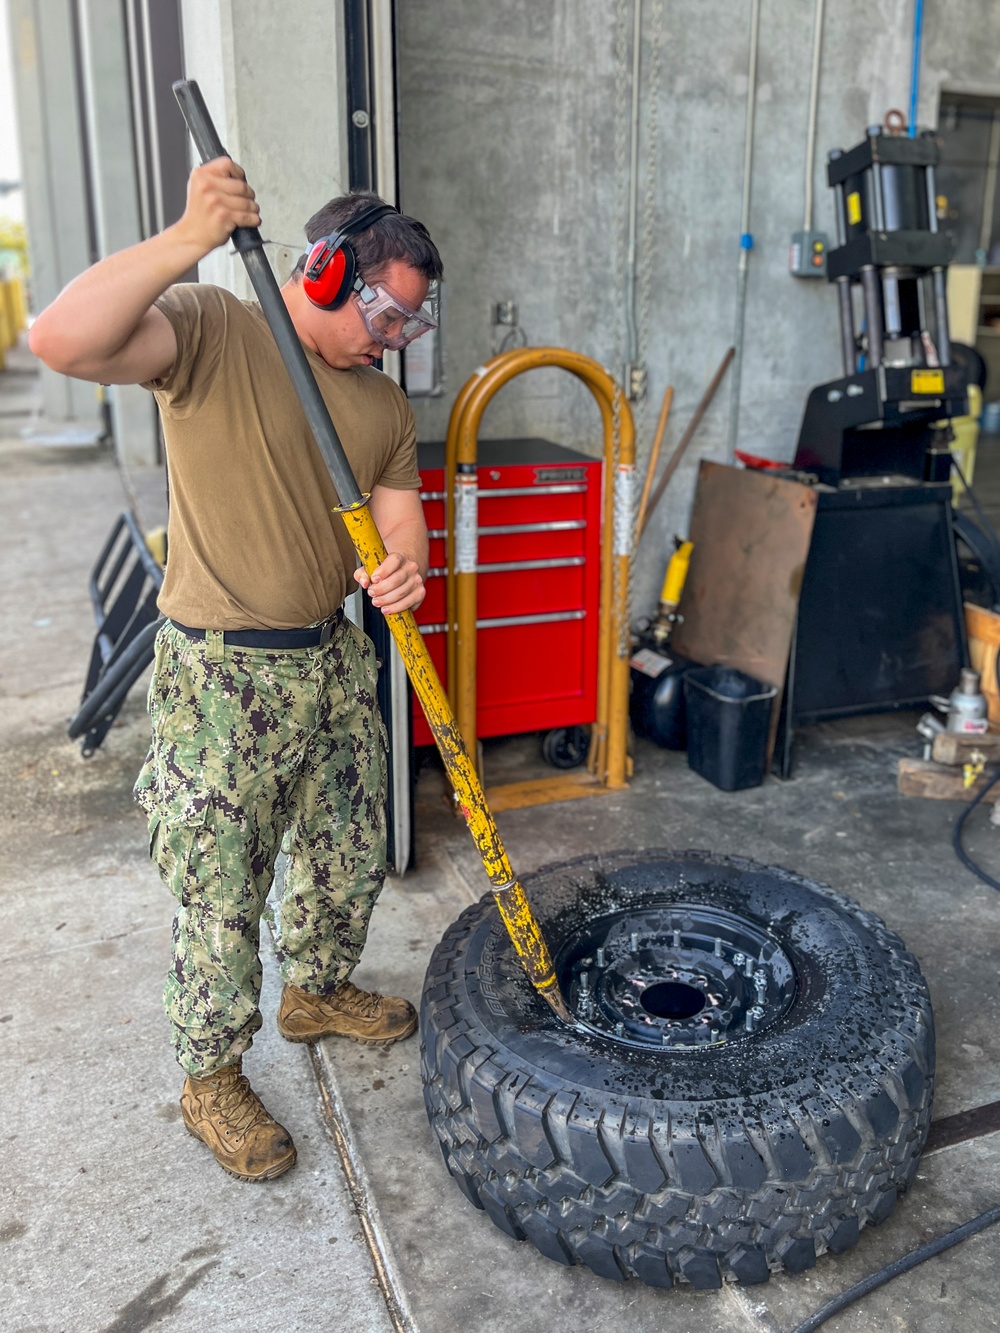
(102, 326)
(92, 320)
(409, 539)
(398, 583)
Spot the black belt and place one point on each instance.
(314, 637)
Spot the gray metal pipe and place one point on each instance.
(840, 211)
(931, 183)
(877, 198)
(871, 287)
(847, 347)
(631, 322)
(807, 217)
(248, 242)
(890, 293)
(941, 316)
(746, 240)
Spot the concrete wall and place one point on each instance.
(271, 78)
(513, 148)
(508, 153)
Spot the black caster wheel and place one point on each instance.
(566, 747)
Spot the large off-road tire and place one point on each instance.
(749, 1086)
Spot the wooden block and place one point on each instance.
(954, 747)
(922, 777)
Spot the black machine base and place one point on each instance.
(881, 623)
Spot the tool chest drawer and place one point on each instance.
(538, 584)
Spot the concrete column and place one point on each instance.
(272, 79)
(55, 191)
(111, 152)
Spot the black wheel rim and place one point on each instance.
(679, 977)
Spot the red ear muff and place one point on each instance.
(331, 267)
(329, 273)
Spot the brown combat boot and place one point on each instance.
(224, 1112)
(364, 1016)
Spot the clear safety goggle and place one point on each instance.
(389, 320)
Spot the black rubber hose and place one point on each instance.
(897, 1267)
(956, 837)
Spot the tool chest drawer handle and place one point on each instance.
(504, 492)
(503, 622)
(557, 562)
(510, 529)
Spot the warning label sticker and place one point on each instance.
(927, 381)
(650, 663)
(544, 475)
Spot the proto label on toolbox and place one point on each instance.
(650, 663)
(550, 474)
(927, 381)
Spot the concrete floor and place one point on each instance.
(111, 1218)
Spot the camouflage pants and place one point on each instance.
(248, 745)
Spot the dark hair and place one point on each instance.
(394, 236)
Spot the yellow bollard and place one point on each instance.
(6, 338)
(20, 304)
(11, 329)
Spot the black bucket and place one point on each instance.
(728, 721)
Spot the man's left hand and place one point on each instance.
(396, 585)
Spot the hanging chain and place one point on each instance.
(645, 284)
(623, 526)
(621, 122)
(645, 265)
(622, 597)
(623, 8)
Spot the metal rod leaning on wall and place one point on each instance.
(685, 440)
(654, 458)
(608, 759)
(524, 931)
(746, 237)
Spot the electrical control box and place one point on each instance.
(807, 254)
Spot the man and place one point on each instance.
(262, 700)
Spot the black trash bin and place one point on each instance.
(728, 720)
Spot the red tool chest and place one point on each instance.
(538, 585)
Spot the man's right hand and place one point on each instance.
(104, 326)
(218, 201)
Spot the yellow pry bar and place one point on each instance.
(515, 910)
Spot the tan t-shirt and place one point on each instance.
(252, 539)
